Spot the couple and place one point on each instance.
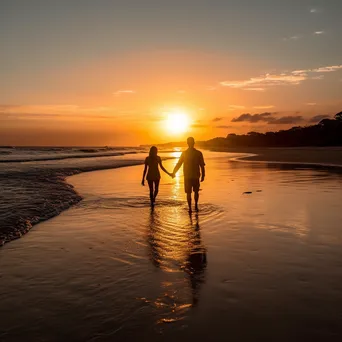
(193, 170)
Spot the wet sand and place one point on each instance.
(261, 261)
(318, 156)
(32, 192)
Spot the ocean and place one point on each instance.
(32, 186)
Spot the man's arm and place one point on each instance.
(178, 165)
(202, 166)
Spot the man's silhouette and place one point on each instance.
(196, 262)
(193, 170)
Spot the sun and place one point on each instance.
(177, 122)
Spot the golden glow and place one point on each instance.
(177, 122)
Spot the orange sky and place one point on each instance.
(74, 90)
(124, 101)
(86, 105)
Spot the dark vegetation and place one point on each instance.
(328, 132)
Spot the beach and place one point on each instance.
(260, 261)
(33, 187)
(317, 156)
(170, 171)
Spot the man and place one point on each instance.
(193, 170)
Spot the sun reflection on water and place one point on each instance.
(175, 248)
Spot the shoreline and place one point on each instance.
(50, 205)
(16, 227)
(256, 160)
(64, 157)
(317, 157)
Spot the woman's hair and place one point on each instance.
(153, 152)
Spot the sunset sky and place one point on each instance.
(109, 72)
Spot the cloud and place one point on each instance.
(36, 109)
(31, 116)
(320, 77)
(267, 80)
(255, 89)
(314, 10)
(263, 107)
(328, 68)
(63, 111)
(318, 118)
(265, 117)
(292, 38)
(224, 126)
(236, 107)
(311, 104)
(286, 120)
(299, 72)
(9, 107)
(198, 126)
(123, 92)
(319, 32)
(211, 88)
(288, 78)
(47, 116)
(216, 119)
(268, 118)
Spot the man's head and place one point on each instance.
(191, 142)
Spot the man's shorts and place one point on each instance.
(191, 184)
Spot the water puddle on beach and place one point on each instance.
(262, 260)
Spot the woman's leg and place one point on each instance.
(150, 185)
(156, 189)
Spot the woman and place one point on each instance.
(153, 174)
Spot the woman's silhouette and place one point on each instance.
(152, 163)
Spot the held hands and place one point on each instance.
(171, 174)
(202, 179)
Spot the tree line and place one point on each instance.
(328, 132)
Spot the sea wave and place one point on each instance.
(30, 154)
(93, 154)
(33, 186)
(34, 192)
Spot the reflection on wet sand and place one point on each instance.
(196, 261)
(175, 247)
(261, 266)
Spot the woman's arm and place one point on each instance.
(144, 174)
(162, 167)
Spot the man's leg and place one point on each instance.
(188, 191)
(196, 200)
(156, 189)
(196, 186)
(188, 196)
